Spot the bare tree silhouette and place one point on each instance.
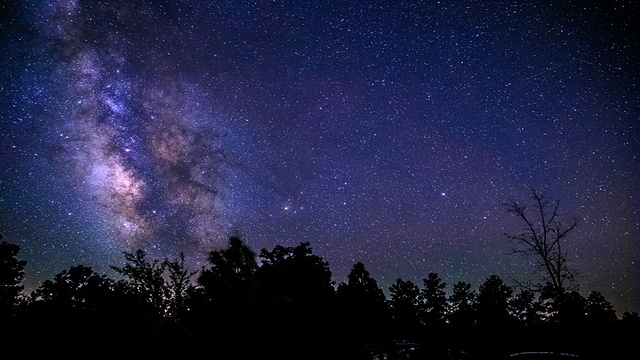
(542, 238)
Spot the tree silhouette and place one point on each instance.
(295, 274)
(145, 279)
(77, 308)
(160, 289)
(11, 275)
(462, 299)
(433, 300)
(494, 322)
(295, 292)
(493, 298)
(230, 273)
(599, 310)
(179, 284)
(526, 308)
(433, 305)
(79, 288)
(570, 320)
(405, 308)
(362, 307)
(462, 315)
(542, 238)
(600, 326)
(288, 308)
(224, 304)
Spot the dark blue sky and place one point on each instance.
(388, 134)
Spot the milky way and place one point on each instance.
(387, 134)
(139, 148)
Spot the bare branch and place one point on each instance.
(542, 239)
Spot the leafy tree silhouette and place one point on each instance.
(494, 321)
(296, 294)
(11, 275)
(145, 279)
(531, 322)
(288, 308)
(462, 299)
(77, 308)
(525, 308)
(231, 272)
(433, 300)
(79, 289)
(570, 319)
(599, 310)
(178, 286)
(362, 309)
(600, 326)
(161, 287)
(433, 304)
(295, 275)
(493, 298)
(405, 306)
(461, 311)
(223, 305)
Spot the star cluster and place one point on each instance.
(384, 133)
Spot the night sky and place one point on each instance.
(384, 132)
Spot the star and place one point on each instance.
(170, 129)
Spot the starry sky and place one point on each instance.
(384, 132)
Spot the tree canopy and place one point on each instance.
(284, 304)
(11, 275)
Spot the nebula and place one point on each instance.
(140, 149)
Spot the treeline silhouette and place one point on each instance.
(283, 304)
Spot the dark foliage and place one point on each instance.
(11, 274)
(288, 308)
(295, 303)
(405, 307)
(223, 306)
(433, 304)
(362, 312)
